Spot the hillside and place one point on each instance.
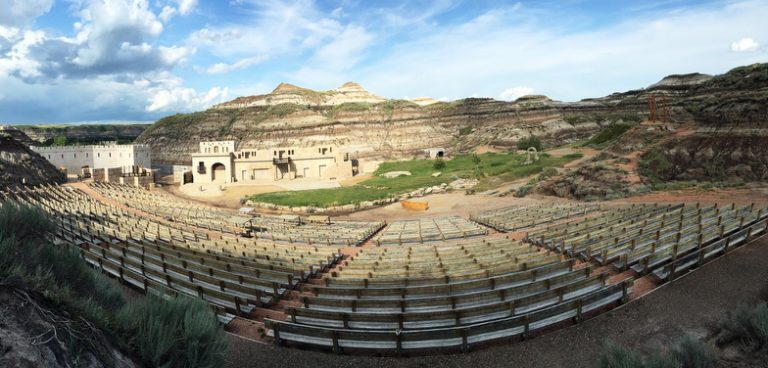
(83, 134)
(19, 164)
(372, 127)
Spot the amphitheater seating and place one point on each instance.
(461, 337)
(232, 276)
(517, 218)
(423, 296)
(272, 228)
(648, 237)
(442, 287)
(426, 230)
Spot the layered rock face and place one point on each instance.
(85, 133)
(19, 165)
(286, 93)
(369, 126)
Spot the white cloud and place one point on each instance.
(514, 93)
(744, 44)
(186, 6)
(20, 12)
(17, 60)
(276, 28)
(167, 13)
(177, 99)
(490, 51)
(183, 7)
(220, 68)
(346, 49)
(109, 26)
(113, 37)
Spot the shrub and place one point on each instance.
(465, 130)
(548, 173)
(23, 223)
(661, 361)
(655, 165)
(523, 191)
(608, 134)
(691, 353)
(180, 332)
(616, 356)
(439, 164)
(687, 353)
(60, 140)
(528, 142)
(747, 325)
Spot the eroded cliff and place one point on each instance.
(372, 127)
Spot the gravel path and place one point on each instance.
(689, 305)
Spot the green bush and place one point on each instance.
(655, 165)
(748, 325)
(23, 223)
(687, 353)
(607, 135)
(548, 173)
(691, 353)
(523, 191)
(528, 142)
(29, 260)
(180, 332)
(439, 164)
(616, 356)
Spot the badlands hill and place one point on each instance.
(373, 127)
(84, 134)
(19, 164)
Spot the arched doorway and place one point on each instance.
(218, 173)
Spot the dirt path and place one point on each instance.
(686, 306)
(447, 204)
(230, 198)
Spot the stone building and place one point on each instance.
(101, 156)
(222, 162)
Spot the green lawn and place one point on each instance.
(493, 167)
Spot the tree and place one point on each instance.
(528, 142)
(60, 140)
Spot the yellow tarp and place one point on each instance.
(412, 205)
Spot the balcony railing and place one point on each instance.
(281, 161)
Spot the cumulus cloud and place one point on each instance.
(184, 99)
(167, 13)
(183, 7)
(220, 68)
(114, 37)
(744, 45)
(186, 6)
(18, 13)
(17, 61)
(514, 93)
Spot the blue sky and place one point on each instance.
(139, 60)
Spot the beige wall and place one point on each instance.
(96, 156)
(284, 163)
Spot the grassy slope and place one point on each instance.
(493, 167)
